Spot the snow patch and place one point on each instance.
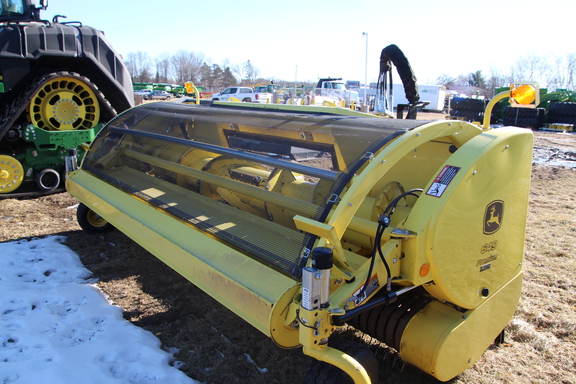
(56, 328)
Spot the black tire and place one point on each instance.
(455, 103)
(90, 221)
(474, 105)
(247, 100)
(324, 373)
(468, 115)
(532, 118)
(523, 122)
(528, 113)
(555, 119)
(465, 104)
(562, 109)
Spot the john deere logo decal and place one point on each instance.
(493, 217)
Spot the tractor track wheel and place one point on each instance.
(324, 373)
(11, 174)
(90, 221)
(66, 101)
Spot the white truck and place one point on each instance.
(245, 94)
(335, 88)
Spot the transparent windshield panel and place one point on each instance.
(240, 175)
(12, 7)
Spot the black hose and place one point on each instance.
(383, 223)
(393, 55)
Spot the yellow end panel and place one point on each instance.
(405, 160)
(445, 342)
(472, 218)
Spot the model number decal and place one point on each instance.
(489, 246)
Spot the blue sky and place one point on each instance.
(310, 39)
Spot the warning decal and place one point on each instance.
(442, 181)
(372, 286)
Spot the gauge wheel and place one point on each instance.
(64, 103)
(90, 221)
(11, 174)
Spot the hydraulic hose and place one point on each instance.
(393, 55)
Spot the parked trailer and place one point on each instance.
(413, 232)
(433, 95)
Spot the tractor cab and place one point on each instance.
(21, 10)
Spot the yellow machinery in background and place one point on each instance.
(412, 231)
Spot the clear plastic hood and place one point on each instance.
(231, 171)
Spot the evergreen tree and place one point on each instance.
(217, 75)
(205, 75)
(228, 79)
(477, 80)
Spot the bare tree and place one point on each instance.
(163, 68)
(530, 68)
(139, 64)
(251, 71)
(570, 71)
(237, 70)
(496, 80)
(564, 73)
(446, 80)
(225, 63)
(186, 65)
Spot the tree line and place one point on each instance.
(184, 66)
(550, 72)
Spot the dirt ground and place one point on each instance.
(215, 346)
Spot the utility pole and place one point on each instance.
(365, 98)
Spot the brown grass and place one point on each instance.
(213, 343)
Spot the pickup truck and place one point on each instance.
(245, 94)
(335, 89)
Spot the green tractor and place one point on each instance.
(59, 81)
